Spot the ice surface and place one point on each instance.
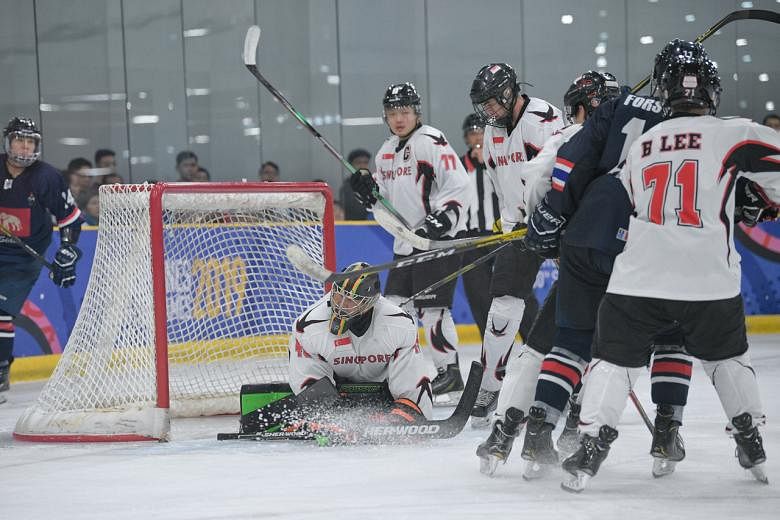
(195, 477)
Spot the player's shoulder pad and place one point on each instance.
(540, 112)
(393, 316)
(635, 102)
(45, 169)
(310, 321)
(427, 133)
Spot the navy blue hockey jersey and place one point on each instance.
(27, 204)
(600, 220)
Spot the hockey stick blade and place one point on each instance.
(251, 42)
(743, 14)
(389, 434)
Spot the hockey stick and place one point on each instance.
(743, 14)
(378, 434)
(27, 249)
(310, 267)
(453, 276)
(641, 410)
(251, 42)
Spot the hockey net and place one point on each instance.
(190, 296)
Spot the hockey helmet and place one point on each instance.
(22, 128)
(689, 80)
(498, 82)
(352, 297)
(472, 123)
(589, 90)
(402, 95)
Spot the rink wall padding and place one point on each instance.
(50, 312)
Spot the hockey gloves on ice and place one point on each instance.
(544, 230)
(402, 411)
(363, 184)
(63, 271)
(751, 204)
(435, 225)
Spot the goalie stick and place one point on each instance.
(378, 434)
(310, 267)
(251, 42)
(743, 14)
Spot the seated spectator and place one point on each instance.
(353, 210)
(772, 121)
(91, 211)
(78, 176)
(201, 175)
(106, 159)
(113, 178)
(338, 211)
(186, 165)
(269, 172)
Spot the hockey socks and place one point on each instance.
(737, 388)
(504, 317)
(670, 378)
(605, 394)
(520, 381)
(560, 374)
(440, 334)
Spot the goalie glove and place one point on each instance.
(752, 206)
(544, 230)
(363, 184)
(63, 271)
(435, 225)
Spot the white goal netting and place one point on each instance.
(231, 296)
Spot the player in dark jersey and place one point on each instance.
(32, 192)
(594, 208)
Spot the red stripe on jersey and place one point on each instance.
(498, 140)
(565, 371)
(342, 341)
(6, 326)
(388, 156)
(70, 219)
(671, 367)
(564, 162)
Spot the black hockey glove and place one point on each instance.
(751, 204)
(544, 230)
(435, 225)
(63, 271)
(363, 184)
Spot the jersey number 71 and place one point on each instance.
(656, 177)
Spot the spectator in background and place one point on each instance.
(772, 121)
(269, 172)
(353, 210)
(91, 211)
(113, 178)
(338, 210)
(78, 177)
(105, 159)
(201, 175)
(186, 165)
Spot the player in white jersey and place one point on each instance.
(584, 95)
(517, 127)
(420, 174)
(353, 334)
(679, 264)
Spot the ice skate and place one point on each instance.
(447, 386)
(750, 447)
(585, 463)
(538, 447)
(483, 409)
(667, 448)
(569, 440)
(498, 445)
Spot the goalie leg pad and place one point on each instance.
(604, 395)
(520, 381)
(504, 317)
(735, 382)
(440, 334)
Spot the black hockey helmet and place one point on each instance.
(22, 127)
(664, 56)
(402, 95)
(589, 90)
(352, 297)
(690, 80)
(496, 81)
(472, 123)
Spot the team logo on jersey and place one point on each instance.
(546, 117)
(438, 140)
(342, 342)
(388, 156)
(622, 234)
(16, 220)
(407, 153)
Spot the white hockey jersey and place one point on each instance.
(507, 156)
(680, 176)
(387, 351)
(538, 171)
(420, 175)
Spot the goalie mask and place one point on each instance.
(493, 94)
(690, 80)
(22, 128)
(352, 297)
(589, 90)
